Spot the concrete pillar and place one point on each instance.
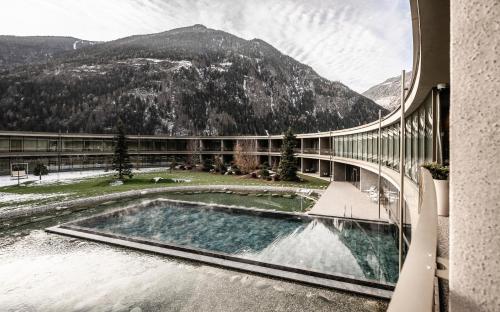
(475, 156)
(222, 145)
(319, 146)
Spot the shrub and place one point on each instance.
(438, 171)
(219, 165)
(40, 170)
(235, 170)
(207, 165)
(264, 173)
(243, 156)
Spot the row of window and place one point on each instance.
(418, 143)
(362, 146)
(16, 144)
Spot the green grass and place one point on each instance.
(101, 185)
(268, 201)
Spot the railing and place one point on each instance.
(307, 150)
(211, 149)
(415, 288)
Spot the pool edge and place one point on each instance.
(225, 263)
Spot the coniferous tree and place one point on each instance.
(121, 159)
(40, 170)
(287, 168)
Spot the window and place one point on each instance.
(355, 146)
(53, 146)
(371, 140)
(385, 148)
(421, 135)
(408, 146)
(16, 145)
(360, 146)
(29, 144)
(396, 146)
(42, 145)
(4, 145)
(414, 147)
(428, 132)
(390, 158)
(365, 146)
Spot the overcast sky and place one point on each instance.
(358, 42)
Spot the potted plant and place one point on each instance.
(440, 176)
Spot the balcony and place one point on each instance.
(309, 150)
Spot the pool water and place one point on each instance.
(331, 246)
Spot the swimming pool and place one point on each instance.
(348, 251)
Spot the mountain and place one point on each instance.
(388, 93)
(26, 50)
(191, 80)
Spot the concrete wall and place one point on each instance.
(339, 171)
(367, 179)
(475, 156)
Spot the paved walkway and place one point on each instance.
(342, 199)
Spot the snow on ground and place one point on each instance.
(181, 64)
(65, 177)
(18, 198)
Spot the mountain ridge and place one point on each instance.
(192, 80)
(388, 93)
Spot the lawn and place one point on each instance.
(263, 201)
(101, 185)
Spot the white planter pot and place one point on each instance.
(442, 196)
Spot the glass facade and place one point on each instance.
(418, 143)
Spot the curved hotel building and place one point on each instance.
(450, 114)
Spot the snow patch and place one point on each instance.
(387, 101)
(65, 177)
(18, 198)
(182, 64)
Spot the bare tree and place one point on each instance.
(194, 148)
(243, 157)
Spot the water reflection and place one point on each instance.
(329, 246)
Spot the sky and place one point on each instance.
(358, 42)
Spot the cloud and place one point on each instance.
(357, 42)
